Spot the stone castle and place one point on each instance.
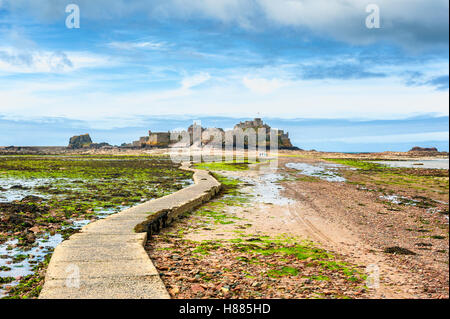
(162, 139)
(284, 141)
(159, 139)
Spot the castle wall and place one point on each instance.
(159, 139)
(162, 139)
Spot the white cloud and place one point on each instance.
(406, 22)
(21, 61)
(373, 99)
(261, 85)
(13, 60)
(195, 80)
(147, 45)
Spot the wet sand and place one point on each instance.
(359, 224)
(308, 198)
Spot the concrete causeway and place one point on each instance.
(107, 259)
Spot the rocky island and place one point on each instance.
(163, 139)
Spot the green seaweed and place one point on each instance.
(225, 166)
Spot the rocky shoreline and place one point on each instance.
(66, 193)
(391, 210)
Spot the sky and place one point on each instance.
(311, 67)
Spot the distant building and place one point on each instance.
(154, 139)
(158, 139)
(256, 123)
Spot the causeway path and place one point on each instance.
(107, 260)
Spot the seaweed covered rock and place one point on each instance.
(80, 141)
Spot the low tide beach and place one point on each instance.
(309, 226)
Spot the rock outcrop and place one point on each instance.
(84, 141)
(424, 149)
(80, 141)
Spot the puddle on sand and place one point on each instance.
(402, 200)
(442, 212)
(325, 171)
(431, 164)
(265, 187)
(399, 200)
(268, 191)
(12, 189)
(16, 189)
(20, 262)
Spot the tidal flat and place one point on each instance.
(316, 226)
(240, 246)
(45, 199)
